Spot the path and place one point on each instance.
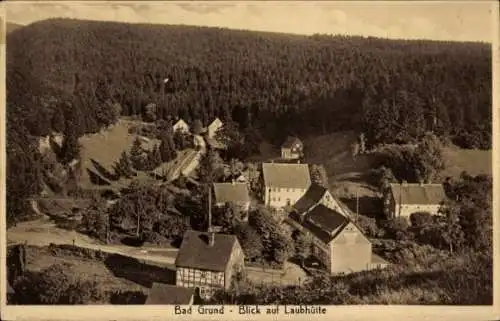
(43, 232)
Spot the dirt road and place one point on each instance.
(43, 232)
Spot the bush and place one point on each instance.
(421, 219)
(397, 228)
(369, 226)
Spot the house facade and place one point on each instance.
(181, 126)
(402, 200)
(292, 148)
(337, 242)
(208, 262)
(284, 184)
(214, 126)
(234, 192)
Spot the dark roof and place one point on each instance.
(231, 192)
(169, 294)
(291, 141)
(418, 193)
(286, 175)
(325, 223)
(312, 196)
(195, 251)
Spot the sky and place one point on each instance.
(436, 20)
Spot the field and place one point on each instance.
(104, 149)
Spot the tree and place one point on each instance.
(57, 284)
(137, 154)
(154, 158)
(303, 245)
(421, 219)
(173, 227)
(319, 176)
(197, 127)
(228, 216)
(368, 225)
(96, 221)
(430, 157)
(249, 240)
(278, 245)
(397, 228)
(70, 148)
(123, 168)
(150, 112)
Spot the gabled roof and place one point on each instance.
(169, 294)
(291, 141)
(312, 196)
(421, 194)
(195, 251)
(286, 175)
(324, 223)
(179, 122)
(231, 192)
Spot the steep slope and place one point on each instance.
(392, 90)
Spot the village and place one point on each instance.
(218, 168)
(324, 228)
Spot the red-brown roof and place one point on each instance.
(167, 294)
(195, 251)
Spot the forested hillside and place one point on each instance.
(390, 89)
(65, 75)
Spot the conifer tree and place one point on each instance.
(136, 155)
(70, 148)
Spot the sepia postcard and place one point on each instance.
(249, 160)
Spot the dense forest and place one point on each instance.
(69, 75)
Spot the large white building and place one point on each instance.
(284, 184)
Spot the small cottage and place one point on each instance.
(234, 192)
(167, 294)
(402, 200)
(292, 148)
(182, 126)
(208, 261)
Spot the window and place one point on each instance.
(203, 274)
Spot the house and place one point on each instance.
(284, 184)
(167, 294)
(208, 261)
(213, 127)
(292, 148)
(233, 192)
(402, 200)
(181, 126)
(337, 242)
(316, 195)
